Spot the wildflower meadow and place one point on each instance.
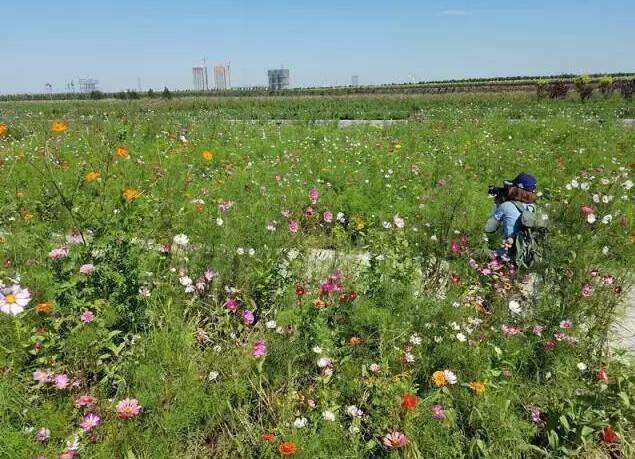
(242, 277)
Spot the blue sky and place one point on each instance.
(322, 43)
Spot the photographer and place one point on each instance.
(512, 199)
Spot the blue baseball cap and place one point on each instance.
(523, 181)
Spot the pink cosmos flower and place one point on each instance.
(566, 324)
(68, 453)
(537, 330)
(308, 212)
(327, 217)
(85, 401)
(259, 349)
(395, 440)
(87, 268)
(89, 422)
(248, 317)
(455, 247)
(437, 411)
(128, 408)
(285, 213)
(226, 205)
(609, 280)
(374, 368)
(271, 227)
(74, 237)
(586, 210)
(231, 304)
(42, 434)
(294, 226)
(87, 316)
(508, 330)
(586, 291)
(535, 414)
(209, 275)
(313, 196)
(61, 381)
(58, 253)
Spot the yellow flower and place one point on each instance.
(438, 379)
(130, 194)
(4, 128)
(92, 176)
(359, 223)
(121, 151)
(58, 126)
(477, 387)
(207, 155)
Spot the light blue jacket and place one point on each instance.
(507, 214)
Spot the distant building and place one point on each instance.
(199, 75)
(355, 80)
(222, 77)
(87, 85)
(278, 79)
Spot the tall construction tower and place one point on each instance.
(222, 80)
(278, 79)
(199, 75)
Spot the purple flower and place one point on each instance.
(87, 316)
(43, 434)
(61, 381)
(89, 422)
(535, 414)
(58, 253)
(437, 411)
(87, 268)
(328, 216)
(248, 317)
(231, 304)
(259, 349)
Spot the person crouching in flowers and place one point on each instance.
(512, 199)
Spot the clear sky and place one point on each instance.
(120, 42)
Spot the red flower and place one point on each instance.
(268, 436)
(602, 376)
(352, 296)
(409, 401)
(299, 291)
(454, 279)
(608, 435)
(287, 448)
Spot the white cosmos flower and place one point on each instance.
(13, 299)
(181, 239)
(605, 250)
(328, 415)
(461, 337)
(585, 186)
(324, 362)
(240, 251)
(251, 252)
(271, 324)
(219, 221)
(607, 219)
(450, 377)
(574, 183)
(354, 412)
(185, 281)
(581, 366)
(415, 339)
(300, 423)
(317, 349)
(514, 307)
(596, 198)
(212, 376)
(409, 357)
(398, 221)
(591, 218)
(628, 184)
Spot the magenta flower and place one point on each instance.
(87, 268)
(294, 226)
(535, 414)
(87, 316)
(586, 291)
(89, 422)
(313, 196)
(395, 440)
(455, 246)
(437, 411)
(259, 349)
(58, 253)
(42, 434)
(248, 317)
(128, 408)
(231, 304)
(61, 381)
(87, 401)
(327, 217)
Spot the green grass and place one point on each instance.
(433, 172)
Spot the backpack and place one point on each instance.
(528, 248)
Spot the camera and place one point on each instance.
(498, 192)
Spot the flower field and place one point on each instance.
(177, 285)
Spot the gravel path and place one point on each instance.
(624, 327)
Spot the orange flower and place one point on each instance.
(355, 341)
(438, 379)
(477, 387)
(58, 126)
(287, 448)
(121, 151)
(409, 401)
(4, 128)
(268, 436)
(207, 155)
(92, 176)
(44, 308)
(130, 194)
